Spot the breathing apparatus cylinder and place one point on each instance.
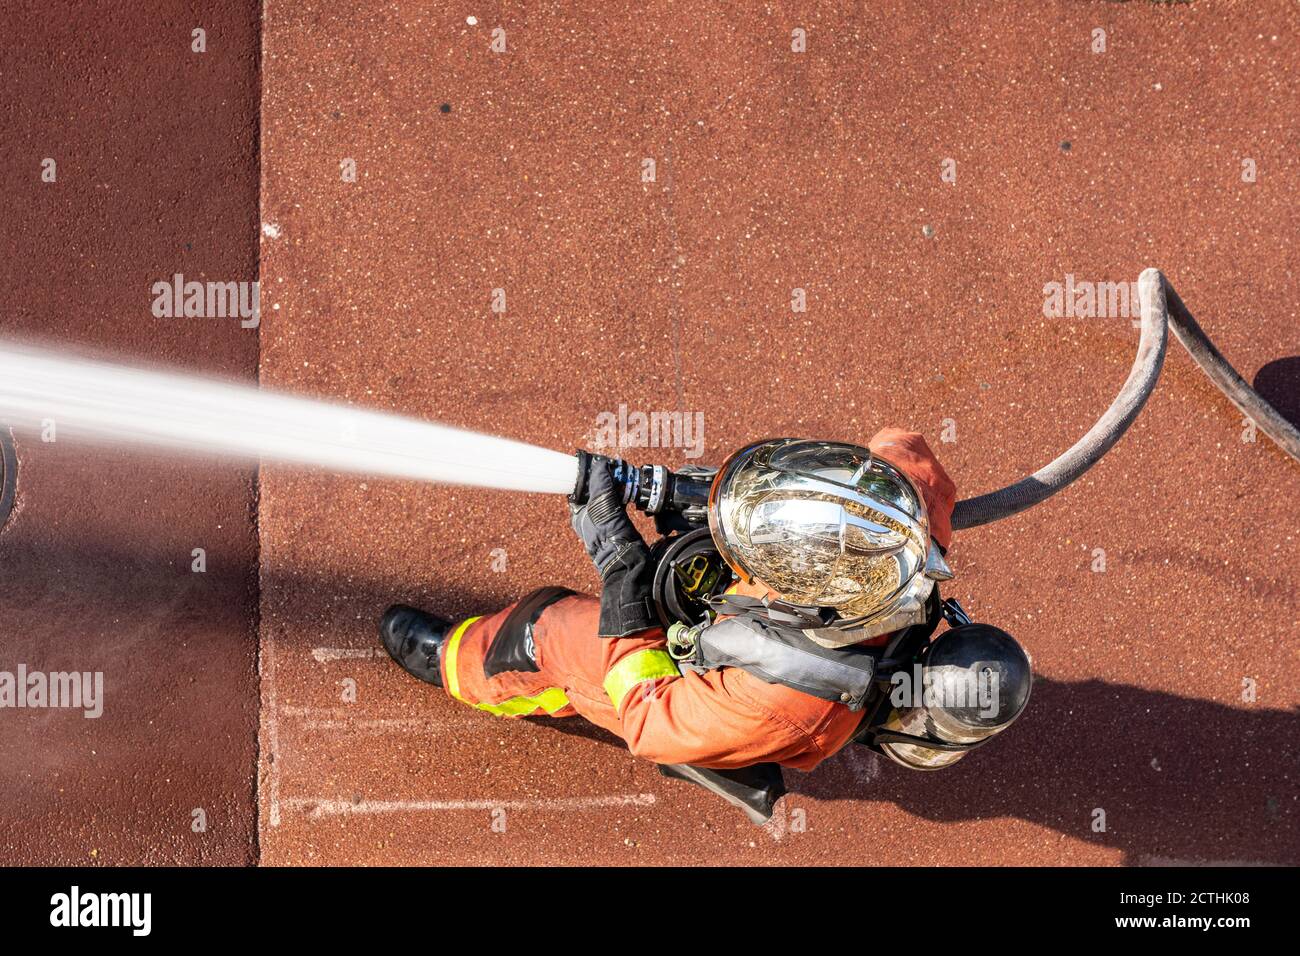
(969, 684)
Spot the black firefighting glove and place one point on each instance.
(619, 553)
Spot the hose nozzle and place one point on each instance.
(652, 489)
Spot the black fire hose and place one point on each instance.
(1161, 308)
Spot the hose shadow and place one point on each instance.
(1279, 383)
(1177, 778)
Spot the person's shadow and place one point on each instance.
(1171, 779)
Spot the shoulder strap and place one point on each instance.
(766, 609)
(783, 656)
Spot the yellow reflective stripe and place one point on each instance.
(549, 700)
(449, 658)
(649, 664)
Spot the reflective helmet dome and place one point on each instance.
(822, 524)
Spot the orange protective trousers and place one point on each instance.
(541, 656)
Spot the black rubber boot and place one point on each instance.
(414, 639)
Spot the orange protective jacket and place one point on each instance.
(721, 718)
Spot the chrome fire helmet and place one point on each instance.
(826, 525)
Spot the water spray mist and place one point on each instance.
(189, 413)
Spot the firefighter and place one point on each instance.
(563, 654)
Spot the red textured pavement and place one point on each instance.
(1158, 596)
(156, 152)
(775, 171)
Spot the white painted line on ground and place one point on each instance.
(323, 807)
(295, 710)
(272, 731)
(357, 724)
(324, 655)
(349, 716)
